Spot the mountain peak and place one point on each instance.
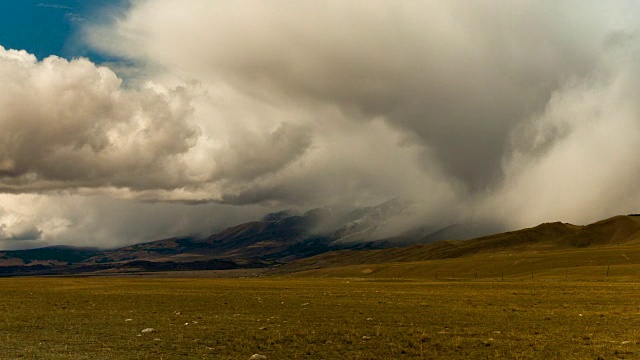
(280, 215)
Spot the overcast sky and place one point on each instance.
(157, 118)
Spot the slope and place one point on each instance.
(544, 238)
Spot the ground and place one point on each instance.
(312, 318)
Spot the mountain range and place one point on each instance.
(276, 239)
(291, 241)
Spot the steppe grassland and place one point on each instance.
(102, 318)
(592, 264)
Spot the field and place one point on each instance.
(582, 264)
(313, 318)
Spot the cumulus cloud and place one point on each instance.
(499, 111)
(70, 124)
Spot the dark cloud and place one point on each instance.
(255, 155)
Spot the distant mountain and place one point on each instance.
(362, 224)
(316, 238)
(556, 236)
(277, 238)
(47, 255)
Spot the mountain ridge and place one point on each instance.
(320, 237)
(546, 237)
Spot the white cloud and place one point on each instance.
(576, 161)
(70, 124)
(515, 112)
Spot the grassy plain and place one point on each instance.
(314, 318)
(577, 264)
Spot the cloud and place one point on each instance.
(456, 75)
(498, 112)
(70, 124)
(15, 228)
(576, 161)
(70, 13)
(54, 6)
(31, 220)
(458, 81)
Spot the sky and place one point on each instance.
(129, 121)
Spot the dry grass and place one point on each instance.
(85, 318)
(584, 264)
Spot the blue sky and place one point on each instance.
(51, 27)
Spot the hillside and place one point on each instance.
(544, 238)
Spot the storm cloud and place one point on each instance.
(499, 111)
